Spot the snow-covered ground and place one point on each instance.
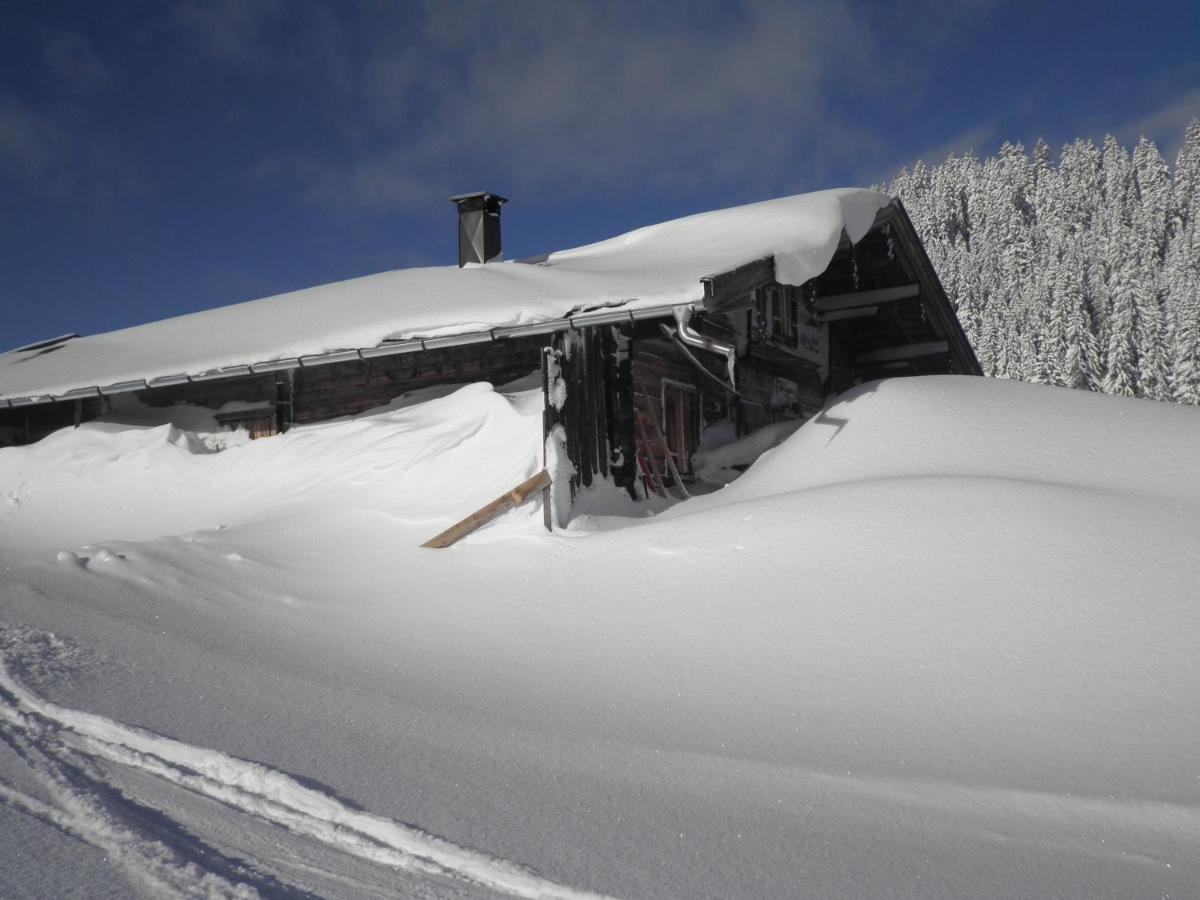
(941, 642)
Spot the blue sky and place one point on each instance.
(158, 158)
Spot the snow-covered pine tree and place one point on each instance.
(1078, 366)
(1182, 274)
(1051, 236)
(1187, 173)
(1120, 361)
(1153, 215)
(1182, 270)
(1085, 273)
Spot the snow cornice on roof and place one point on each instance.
(646, 273)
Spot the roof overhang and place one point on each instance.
(591, 319)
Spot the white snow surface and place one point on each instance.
(657, 265)
(940, 642)
(718, 463)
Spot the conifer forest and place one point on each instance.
(1081, 271)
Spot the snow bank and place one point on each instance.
(938, 643)
(722, 463)
(661, 264)
(957, 428)
(424, 460)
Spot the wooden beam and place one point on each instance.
(867, 298)
(902, 352)
(841, 315)
(937, 305)
(513, 498)
(727, 290)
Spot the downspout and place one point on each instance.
(685, 337)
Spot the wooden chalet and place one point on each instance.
(631, 382)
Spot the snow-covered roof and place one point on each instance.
(657, 266)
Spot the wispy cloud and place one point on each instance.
(32, 146)
(1166, 124)
(54, 135)
(73, 63)
(48, 156)
(673, 95)
(977, 139)
(231, 30)
(409, 102)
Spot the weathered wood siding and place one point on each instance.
(26, 424)
(765, 366)
(348, 388)
(656, 362)
(590, 369)
(273, 389)
(212, 394)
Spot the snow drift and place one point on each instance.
(939, 642)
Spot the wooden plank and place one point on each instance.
(484, 514)
(937, 304)
(726, 290)
(835, 302)
(902, 352)
(842, 315)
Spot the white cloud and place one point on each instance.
(416, 101)
(32, 146)
(1166, 124)
(671, 96)
(43, 152)
(977, 139)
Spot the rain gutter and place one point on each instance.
(387, 348)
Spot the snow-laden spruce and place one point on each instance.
(1083, 274)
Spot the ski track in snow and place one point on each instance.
(61, 747)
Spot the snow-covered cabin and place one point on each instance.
(732, 319)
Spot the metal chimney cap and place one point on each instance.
(478, 199)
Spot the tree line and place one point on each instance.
(1082, 272)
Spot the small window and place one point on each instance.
(778, 315)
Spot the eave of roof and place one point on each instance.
(646, 273)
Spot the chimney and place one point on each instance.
(478, 227)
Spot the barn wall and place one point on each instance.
(212, 394)
(343, 389)
(26, 424)
(348, 388)
(775, 386)
(586, 369)
(841, 363)
(655, 362)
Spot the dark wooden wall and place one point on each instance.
(308, 394)
(348, 388)
(212, 394)
(591, 371)
(26, 424)
(760, 362)
(344, 389)
(653, 360)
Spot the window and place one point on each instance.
(681, 422)
(778, 312)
